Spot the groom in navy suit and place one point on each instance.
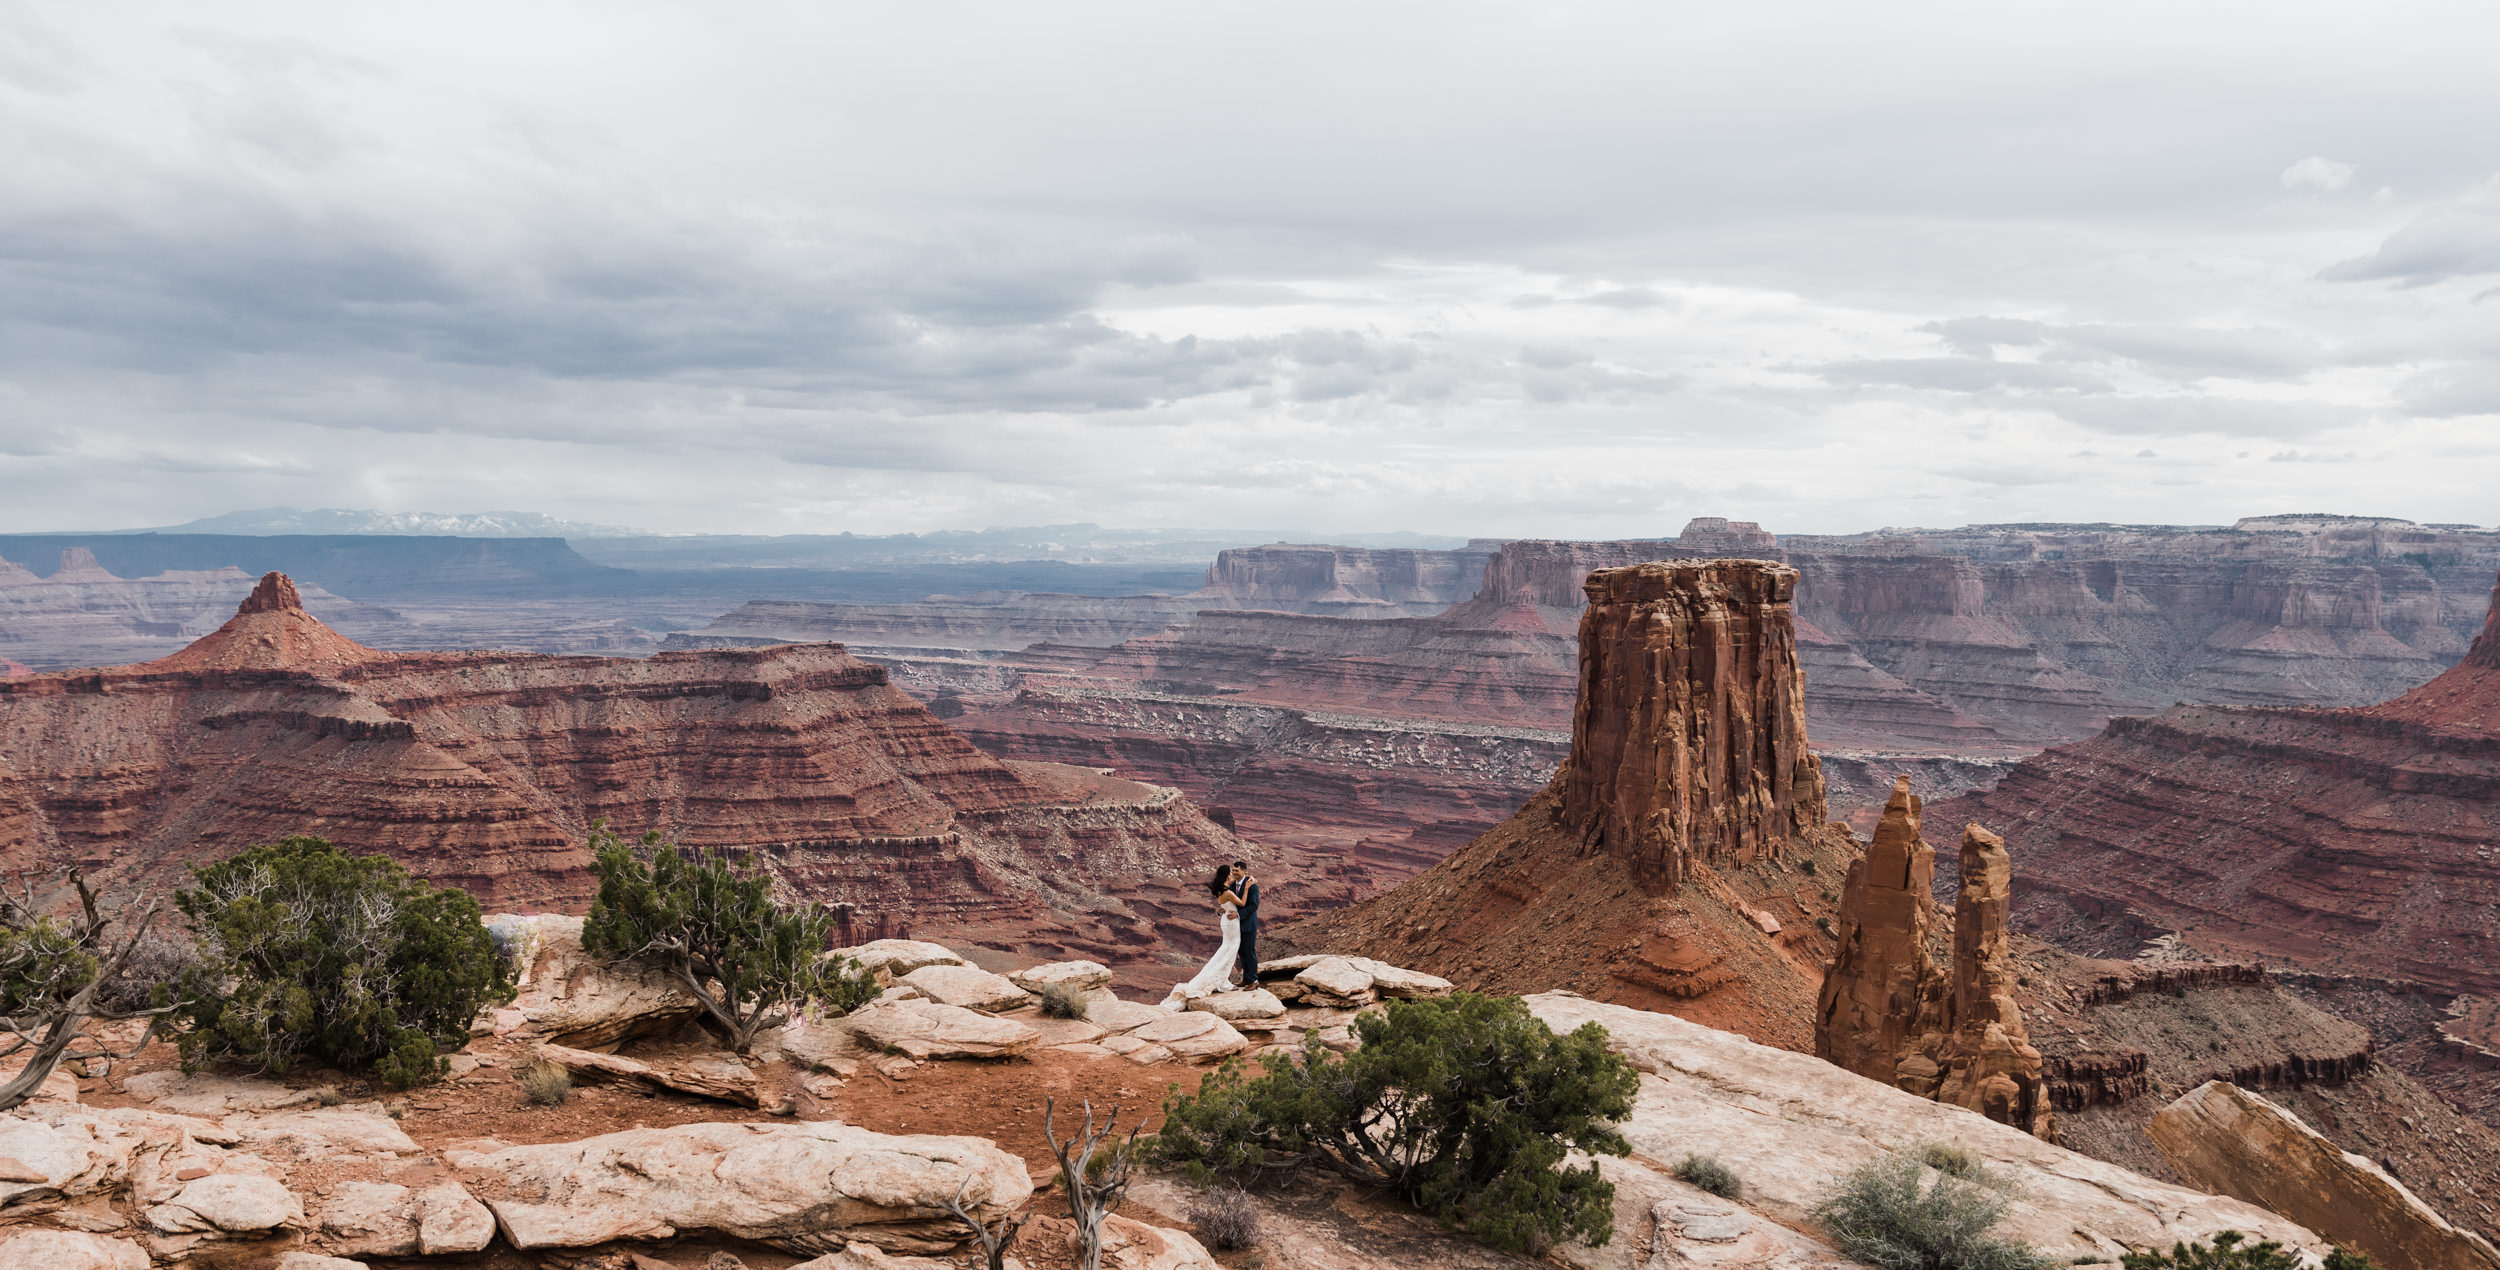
(1246, 889)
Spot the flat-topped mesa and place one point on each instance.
(1688, 744)
(1889, 1013)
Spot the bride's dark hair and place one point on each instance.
(1223, 874)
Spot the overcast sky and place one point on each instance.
(1522, 269)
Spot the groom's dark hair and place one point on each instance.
(1241, 864)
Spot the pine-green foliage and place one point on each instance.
(1886, 1215)
(311, 953)
(1464, 1106)
(2230, 1250)
(715, 927)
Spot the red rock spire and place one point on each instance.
(275, 594)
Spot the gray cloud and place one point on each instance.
(2459, 239)
(1445, 269)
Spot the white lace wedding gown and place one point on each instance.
(1217, 976)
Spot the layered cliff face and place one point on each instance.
(2343, 841)
(1688, 744)
(1889, 1012)
(1671, 862)
(1341, 581)
(486, 770)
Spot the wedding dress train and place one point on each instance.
(1217, 976)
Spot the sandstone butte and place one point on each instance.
(1888, 1012)
(1664, 865)
(2350, 842)
(486, 769)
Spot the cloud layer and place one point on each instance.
(1469, 269)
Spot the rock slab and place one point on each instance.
(2230, 1141)
(809, 1187)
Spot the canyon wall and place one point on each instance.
(2339, 841)
(1360, 746)
(486, 770)
(1342, 581)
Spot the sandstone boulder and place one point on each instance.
(966, 986)
(1404, 984)
(2227, 1140)
(1197, 1037)
(379, 1219)
(806, 1187)
(35, 1248)
(1081, 975)
(1334, 981)
(1112, 1014)
(718, 1076)
(211, 1095)
(1256, 1003)
(925, 1030)
(1129, 1244)
(1790, 1123)
(891, 959)
(321, 1133)
(572, 998)
(228, 1203)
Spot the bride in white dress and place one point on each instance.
(1217, 976)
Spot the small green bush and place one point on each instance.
(1465, 1107)
(309, 953)
(1885, 1215)
(2230, 1250)
(1064, 1001)
(714, 927)
(1952, 1158)
(1706, 1172)
(547, 1084)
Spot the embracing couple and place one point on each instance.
(1236, 897)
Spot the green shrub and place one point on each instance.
(1706, 1172)
(1064, 1001)
(715, 928)
(1886, 1215)
(1952, 1158)
(2230, 1250)
(1465, 1107)
(309, 953)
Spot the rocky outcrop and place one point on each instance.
(1656, 867)
(720, 1076)
(1888, 1012)
(2351, 842)
(486, 770)
(569, 997)
(2235, 1143)
(1788, 1124)
(810, 1188)
(1688, 744)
